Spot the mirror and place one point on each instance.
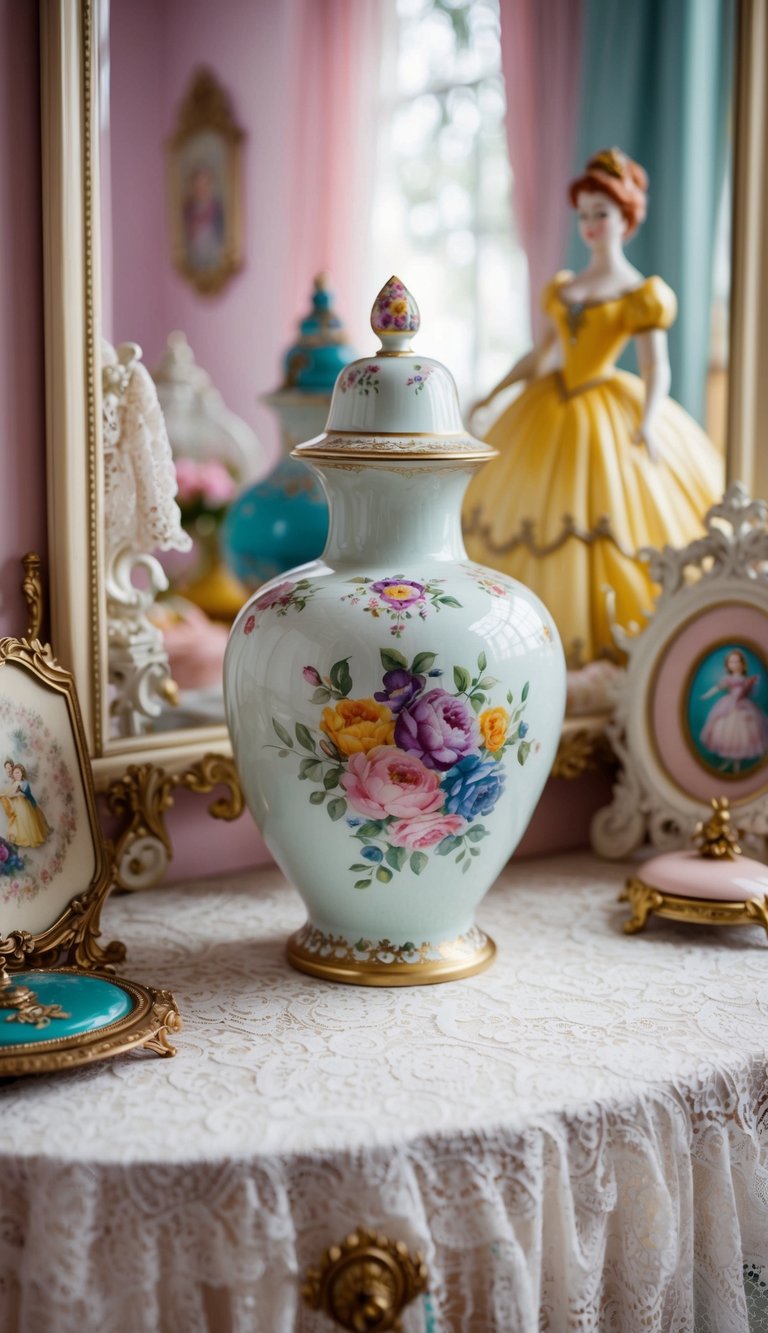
(109, 271)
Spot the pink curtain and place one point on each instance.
(333, 104)
(541, 61)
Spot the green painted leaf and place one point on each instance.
(474, 851)
(510, 696)
(524, 749)
(282, 733)
(396, 857)
(383, 874)
(465, 867)
(321, 695)
(448, 601)
(417, 862)
(448, 845)
(362, 883)
(461, 678)
(392, 660)
(526, 688)
(340, 677)
(461, 856)
(423, 662)
(371, 828)
(487, 682)
(358, 866)
(304, 737)
(331, 779)
(337, 807)
(482, 662)
(518, 714)
(317, 797)
(476, 833)
(477, 701)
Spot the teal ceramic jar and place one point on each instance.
(282, 520)
(394, 708)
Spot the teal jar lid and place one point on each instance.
(322, 351)
(87, 1003)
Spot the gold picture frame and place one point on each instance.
(54, 870)
(205, 193)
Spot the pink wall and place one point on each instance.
(22, 372)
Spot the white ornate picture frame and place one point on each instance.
(691, 717)
(54, 868)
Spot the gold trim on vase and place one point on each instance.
(333, 958)
(646, 900)
(366, 1282)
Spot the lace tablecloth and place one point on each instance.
(576, 1139)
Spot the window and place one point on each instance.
(442, 211)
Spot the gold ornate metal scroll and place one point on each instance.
(143, 796)
(365, 1283)
(32, 589)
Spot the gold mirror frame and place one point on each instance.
(72, 248)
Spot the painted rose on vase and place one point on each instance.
(415, 767)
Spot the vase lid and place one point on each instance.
(313, 362)
(396, 402)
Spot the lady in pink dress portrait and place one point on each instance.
(736, 727)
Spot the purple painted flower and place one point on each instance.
(399, 592)
(312, 675)
(400, 687)
(439, 728)
(473, 787)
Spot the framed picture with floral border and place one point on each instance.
(205, 192)
(691, 718)
(54, 868)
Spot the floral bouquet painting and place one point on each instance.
(413, 769)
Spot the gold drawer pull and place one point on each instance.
(365, 1283)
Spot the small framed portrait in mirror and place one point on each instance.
(205, 195)
(54, 871)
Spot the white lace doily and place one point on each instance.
(576, 1138)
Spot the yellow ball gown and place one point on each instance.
(571, 499)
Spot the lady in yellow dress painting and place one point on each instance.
(594, 463)
(27, 825)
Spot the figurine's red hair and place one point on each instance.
(611, 172)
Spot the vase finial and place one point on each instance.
(395, 315)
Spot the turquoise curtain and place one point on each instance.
(657, 82)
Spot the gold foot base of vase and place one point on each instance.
(333, 958)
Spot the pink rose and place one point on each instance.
(386, 781)
(275, 596)
(187, 479)
(216, 483)
(425, 830)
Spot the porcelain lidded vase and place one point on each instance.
(394, 708)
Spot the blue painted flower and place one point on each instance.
(354, 820)
(400, 687)
(372, 854)
(522, 729)
(473, 787)
(436, 671)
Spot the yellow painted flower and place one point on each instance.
(493, 724)
(398, 307)
(358, 725)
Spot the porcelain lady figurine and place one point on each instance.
(394, 708)
(594, 463)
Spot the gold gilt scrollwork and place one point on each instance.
(365, 1283)
(143, 796)
(582, 748)
(32, 589)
